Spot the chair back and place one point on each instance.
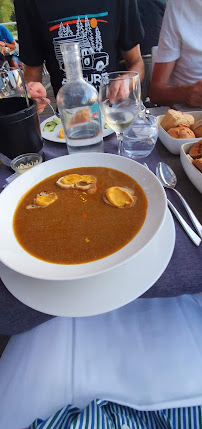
(147, 76)
(153, 57)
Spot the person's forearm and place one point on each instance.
(138, 66)
(4, 46)
(134, 61)
(10, 45)
(169, 95)
(33, 74)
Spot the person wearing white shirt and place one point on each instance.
(177, 75)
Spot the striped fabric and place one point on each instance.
(107, 415)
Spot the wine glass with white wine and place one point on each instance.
(120, 100)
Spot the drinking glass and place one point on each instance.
(12, 84)
(120, 99)
(140, 139)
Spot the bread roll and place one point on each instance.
(181, 132)
(198, 164)
(196, 150)
(173, 118)
(197, 128)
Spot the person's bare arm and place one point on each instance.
(33, 74)
(10, 46)
(134, 61)
(164, 94)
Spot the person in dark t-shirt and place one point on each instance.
(151, 14)
(102, 28)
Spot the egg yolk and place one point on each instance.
(73, 179)
(46, 200)
(119, 197)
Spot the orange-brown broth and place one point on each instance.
(78, 227)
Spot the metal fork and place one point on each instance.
(50, 105)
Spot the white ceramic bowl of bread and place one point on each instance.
(174, 144)
(193, 173)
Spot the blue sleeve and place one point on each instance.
(5, 34)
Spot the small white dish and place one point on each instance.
(24, 162)
(172, 144)
(53, 135)
(16, 258)
(191, 171)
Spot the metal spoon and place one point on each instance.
(168, 179)
(50, 105)
(192, 235)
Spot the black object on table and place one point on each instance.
(18, 119)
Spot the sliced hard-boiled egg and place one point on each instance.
(120, 197)
(44, 199)
(70, 180)
(85, 182)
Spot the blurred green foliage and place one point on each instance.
(13, 30)
(6, 10)
(7, 14)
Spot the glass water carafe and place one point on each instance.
(78, 106)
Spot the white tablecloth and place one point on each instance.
(147, 355)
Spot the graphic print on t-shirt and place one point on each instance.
(85, 31)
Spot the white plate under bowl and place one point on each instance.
(102, 293)
(53, 135)
(191, 171)
(174, 145)
(15, 257)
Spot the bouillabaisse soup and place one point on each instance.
(90, 213)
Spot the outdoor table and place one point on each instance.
(183, 273)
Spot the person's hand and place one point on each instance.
(37, 90)
(194, 94)
(2, 43)
(118, 89)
